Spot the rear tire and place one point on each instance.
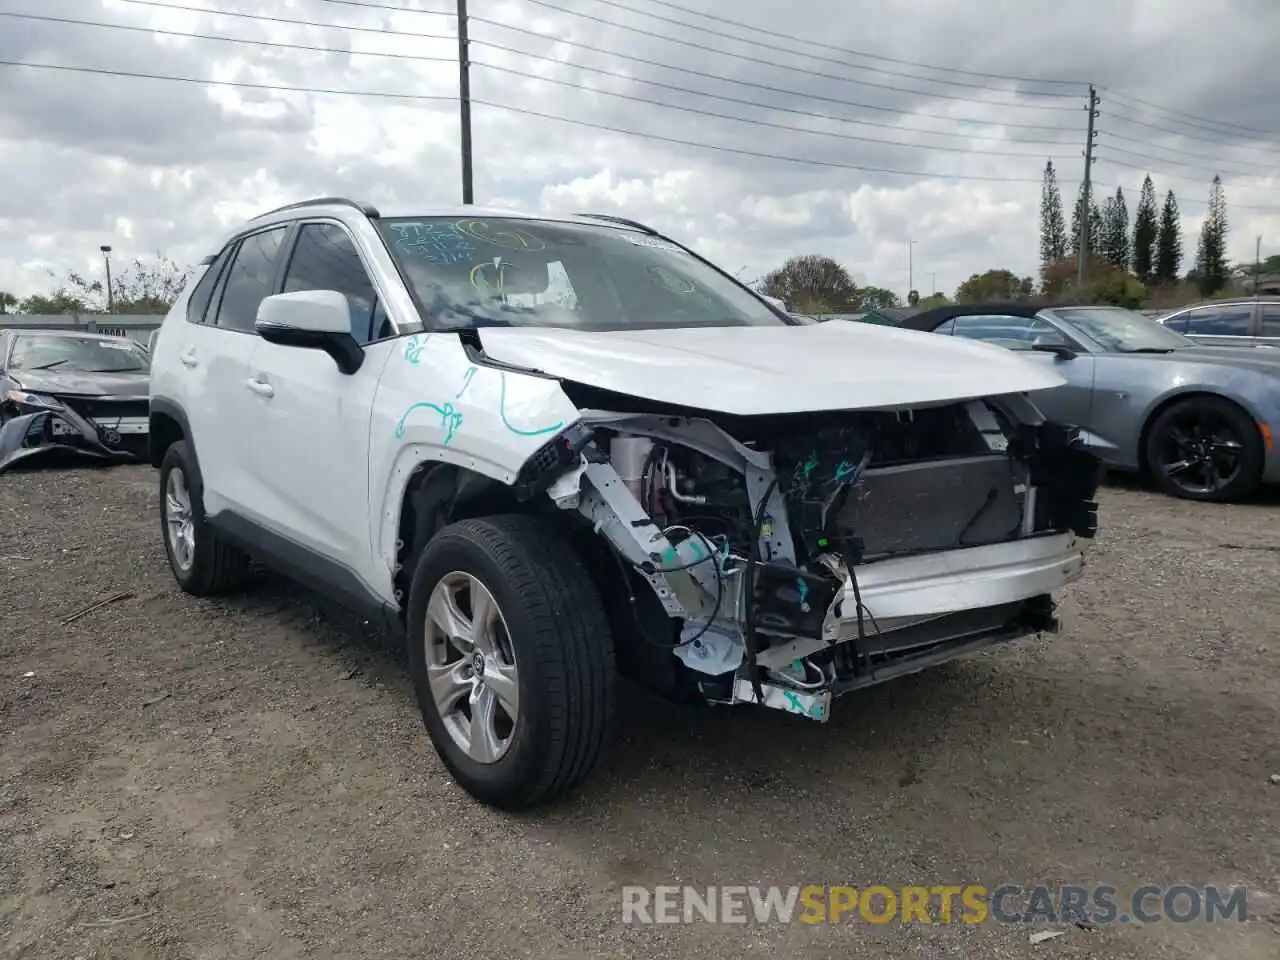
(540, 657)
(1206, 449)
(202, 563)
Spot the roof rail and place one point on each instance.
(368, 209)
(622, 221)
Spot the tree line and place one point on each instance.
(147, 286)
(1129, 262)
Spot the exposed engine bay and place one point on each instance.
(797, 557)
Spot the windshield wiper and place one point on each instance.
(48, 366)
(1148, 350)
(115, 370)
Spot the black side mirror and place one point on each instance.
(312, 320)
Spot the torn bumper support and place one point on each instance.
(49, 432)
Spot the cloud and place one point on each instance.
(948, 156)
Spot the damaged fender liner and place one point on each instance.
(32, 435)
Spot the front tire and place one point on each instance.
(1206, 449)
(201, 562)
(511, 659)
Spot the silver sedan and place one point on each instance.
(1196, 419)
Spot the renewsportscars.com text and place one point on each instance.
(970, 904)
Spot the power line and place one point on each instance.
(1207, 173)
(388, 32)
(273, 44)
(1214, 166)
(756, 123)
(567, 83)
(783, 91)
(1184, 153)
(245, 84)
(846, 51)
(889, 171)
(808, 44)
(1184, 200)
(757, 104)
(1187, 118)
(794, 69)
(1183, 134)
(757, 154)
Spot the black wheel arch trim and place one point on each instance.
(156, 445)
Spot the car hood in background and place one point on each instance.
(82, 384)
(775, 369)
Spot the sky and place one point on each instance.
(904, 138)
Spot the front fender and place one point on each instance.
(438, 404)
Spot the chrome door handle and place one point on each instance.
(189, 360)
(261, 387)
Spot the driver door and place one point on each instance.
(308, 443)
(1071, 403)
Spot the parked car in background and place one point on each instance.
(82, 392)
(556, 447)
(1247, 322)
(1198, 419)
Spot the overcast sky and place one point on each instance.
(846, 154)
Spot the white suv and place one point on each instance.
(549, 449)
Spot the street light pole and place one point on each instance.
(106, 259)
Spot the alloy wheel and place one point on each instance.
(179, 522)
(471, 667)
(1200, 452)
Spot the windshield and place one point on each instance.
(515, 272)
(1117, 330)
(77, 354)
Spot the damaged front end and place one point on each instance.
(790, 559)
(46, 427)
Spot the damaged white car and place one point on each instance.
(550, 450)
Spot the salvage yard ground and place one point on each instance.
(250, 777)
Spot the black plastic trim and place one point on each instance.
(170, 409)
(342, 347)
(318, 573)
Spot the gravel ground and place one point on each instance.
(250, 778)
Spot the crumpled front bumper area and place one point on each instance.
(47, 433)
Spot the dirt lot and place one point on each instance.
(250, 778)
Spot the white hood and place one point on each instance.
(837, 365)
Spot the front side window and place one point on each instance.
(1117, 330)
(515, 272)
(324, 258)
(70, 354)
(249, 279)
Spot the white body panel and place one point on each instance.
(782, 369)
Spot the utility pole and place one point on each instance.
(1257, 265)
(464, 101)
(1086, 195)
(106, 259)
(911, 249)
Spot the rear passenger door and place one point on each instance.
(1219, 325)
(215, 360)
(1269, 333)
(308, 437)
